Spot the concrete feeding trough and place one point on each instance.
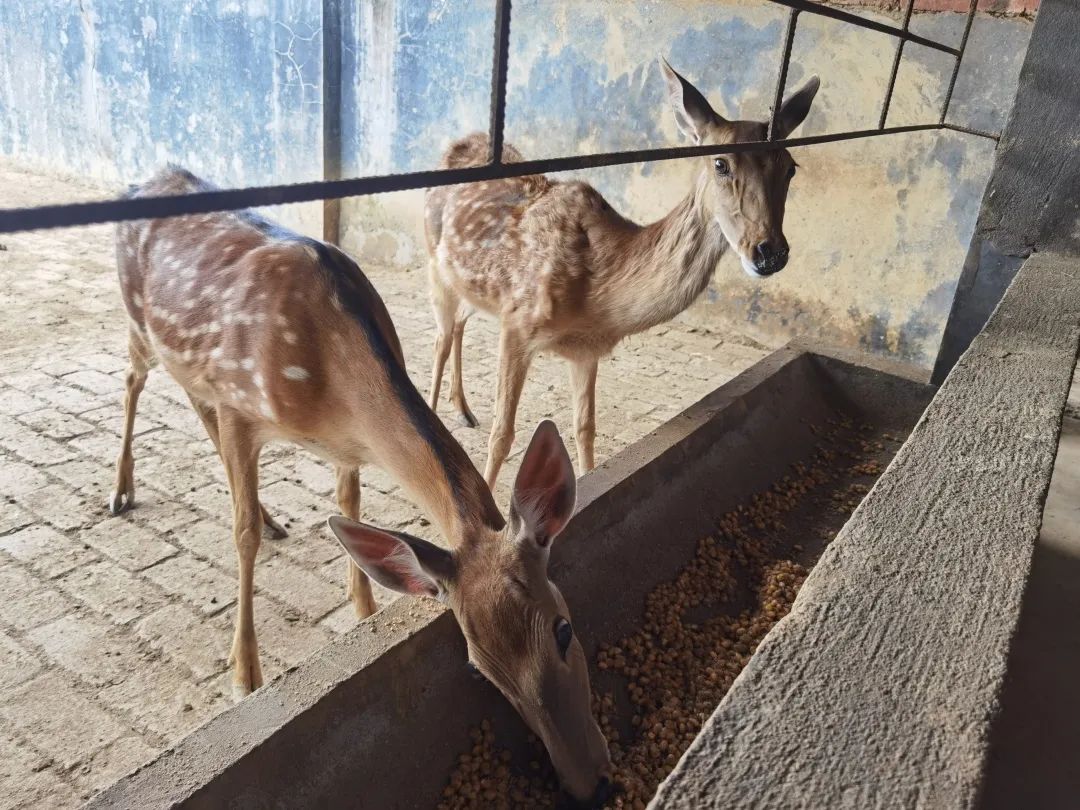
(378, 718)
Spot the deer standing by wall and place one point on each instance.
(275, 336)
(564, 272)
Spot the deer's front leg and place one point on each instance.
(357, 582)
(123, 494)
(514, 359)
(240, 452)
(583, 385)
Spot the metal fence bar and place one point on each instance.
(895, 66)
(498, 80)
(60, 216)
(959, 58)
(57, 216)
(781, 78)
(982, 133)
(844, 16)
(331, 113)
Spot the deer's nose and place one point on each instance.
(770, 257)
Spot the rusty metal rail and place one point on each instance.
(60, 216)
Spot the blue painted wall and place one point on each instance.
(232, 89)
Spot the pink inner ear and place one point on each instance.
(387, 560)
(545, 484)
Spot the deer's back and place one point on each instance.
(527, 245)
(250, 315)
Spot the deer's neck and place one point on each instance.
(665, 266)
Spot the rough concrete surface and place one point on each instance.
(919, 595)
(1034, 742)
(114, 631)
(329, 730)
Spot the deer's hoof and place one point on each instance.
(272, 530)
(121, 502)
(466, 419)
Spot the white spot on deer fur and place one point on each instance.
(266, 410)
(248, 363)
(227, 365)
(281, 320)
(290, 337)
(213, 327)
(136, 300)
(295, 373)
(257, 378)
(216, 353)
(188, 355)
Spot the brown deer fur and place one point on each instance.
(278, 337)
(564, 272)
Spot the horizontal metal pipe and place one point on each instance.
(62, 216)
(845, 16)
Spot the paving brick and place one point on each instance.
(89, 647)
(70, 399)
(312, 548)
(28, 381)
(212, 541)
(213, 499)
(132, 546)
(13, 516)
(110, 590)
(36, 449)
(386, 510)
(295, 504)
(198, 583)
(187, 638)
(58, 368)
(28, 779)
(283, 634)
(298, 587)
(100, 446)
(27, 602)
(85, 474)
(116, 760)
(160, 513)
(17, 664)
(105, 362)
(17, 478)
(111, 419)
(46, 550)
(178, 478)
(95, 382)
(161, 697)
(63, 723)
(56, 424)
(14, 402)
(59, 506)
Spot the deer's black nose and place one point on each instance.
(770, 257)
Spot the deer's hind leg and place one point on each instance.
(457, 385)
(583, 385)
(348, 498)
(444, 305)
(208, 416)
(140, 359)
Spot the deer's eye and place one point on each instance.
(791, 171)
(564, 634)
(723, 168)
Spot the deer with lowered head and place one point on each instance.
(275, 336)
(564, 272)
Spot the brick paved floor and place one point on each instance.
(114, 631)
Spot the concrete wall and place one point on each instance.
(231, 88)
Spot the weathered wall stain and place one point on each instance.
(231, 88)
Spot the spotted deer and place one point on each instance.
(564, 272)
(275, 336)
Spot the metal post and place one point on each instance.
(895, 65)
(331, 110)
(959, 58)
(498, 80)
(781, 79)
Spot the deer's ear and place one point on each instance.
(396, 560)
(545, 488)
(794, 111)
(692, 112)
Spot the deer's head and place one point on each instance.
(745, 193)
(515, 621)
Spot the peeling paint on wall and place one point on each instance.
(232, 89)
